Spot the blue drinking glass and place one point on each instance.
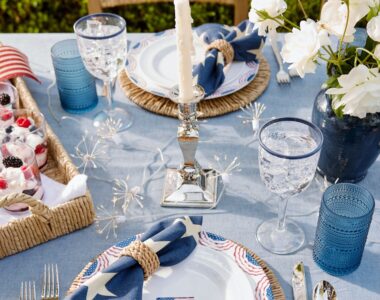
(344, 219)
(76, 86)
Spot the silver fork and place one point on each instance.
(282, 76)
(28, 290)
(50, 284)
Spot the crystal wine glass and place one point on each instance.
(288, 156)
(102, 43)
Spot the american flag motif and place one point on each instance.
(110, 276)
(250, 266)
(14, 63)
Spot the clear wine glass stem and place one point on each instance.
(283, 203)
(108, 93)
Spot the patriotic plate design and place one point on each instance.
(152, 66)
(217, 269)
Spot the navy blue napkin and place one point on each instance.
(210, 73)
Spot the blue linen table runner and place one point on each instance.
(173, 240)
(246, 46)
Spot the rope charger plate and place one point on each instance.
(151, 71)
(219, 268)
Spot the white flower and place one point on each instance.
(360, 90)
(373, 28)
(302, 45)
(377, 52)
(359, 9)
(273, 8)
(334, 17)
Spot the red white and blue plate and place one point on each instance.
(217, 269)
(152, 66)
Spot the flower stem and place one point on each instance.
(302, 8)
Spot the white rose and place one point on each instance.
(302, 45)
(373, 28)
(273, 8)
(334, 18)
(360, 90)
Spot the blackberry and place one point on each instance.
(9, 129)
(5, 99)
(12, 161)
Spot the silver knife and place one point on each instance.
(299, 282)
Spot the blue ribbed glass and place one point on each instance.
(344, 219)
(76, 86)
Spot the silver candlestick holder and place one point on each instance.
(190, 185)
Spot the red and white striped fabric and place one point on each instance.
(14, 63)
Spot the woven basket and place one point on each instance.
(44, 223)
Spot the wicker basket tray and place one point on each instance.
(44, 223)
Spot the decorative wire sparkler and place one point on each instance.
(252, 114)
(90, 153)
(122, 192)
(106, 221)
(224, 167)
(109, 128)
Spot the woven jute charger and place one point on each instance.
(278, 293)
(207, 108)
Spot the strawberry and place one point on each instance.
(3, 184)
(40, 149)
(6, 115)
(23, 122)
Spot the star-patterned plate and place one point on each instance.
(152, 65)
(217, 269)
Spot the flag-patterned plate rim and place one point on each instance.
(244, 258)
(242, 73)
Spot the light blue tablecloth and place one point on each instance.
(245, 204)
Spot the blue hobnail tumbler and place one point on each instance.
(344, 219)
(76, 86)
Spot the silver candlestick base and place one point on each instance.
(190, 185)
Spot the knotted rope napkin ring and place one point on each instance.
(224, 47)
(146, 258)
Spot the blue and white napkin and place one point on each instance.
(247, 45)
(172, 240)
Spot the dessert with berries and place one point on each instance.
(28, 127)
(8, 95)
(19, 173)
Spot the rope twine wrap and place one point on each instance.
(145, 257)
(36, 206)
(225, 48)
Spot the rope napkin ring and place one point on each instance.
(146, 258)
(224, 47)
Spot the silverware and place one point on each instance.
(282, 76)
(299, 282)
(28, 290)
(50, 284)
(324, 291)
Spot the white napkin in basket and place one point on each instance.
(55, 193)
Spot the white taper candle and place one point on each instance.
(184, 49)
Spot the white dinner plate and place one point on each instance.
(217, 269)
(152, 65)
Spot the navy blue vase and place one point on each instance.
(351, 145)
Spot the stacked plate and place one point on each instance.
(152, 65)
(217, 269)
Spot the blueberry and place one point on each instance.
(9, 129)
(6, 139)
(29, 192)
(32, 128)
